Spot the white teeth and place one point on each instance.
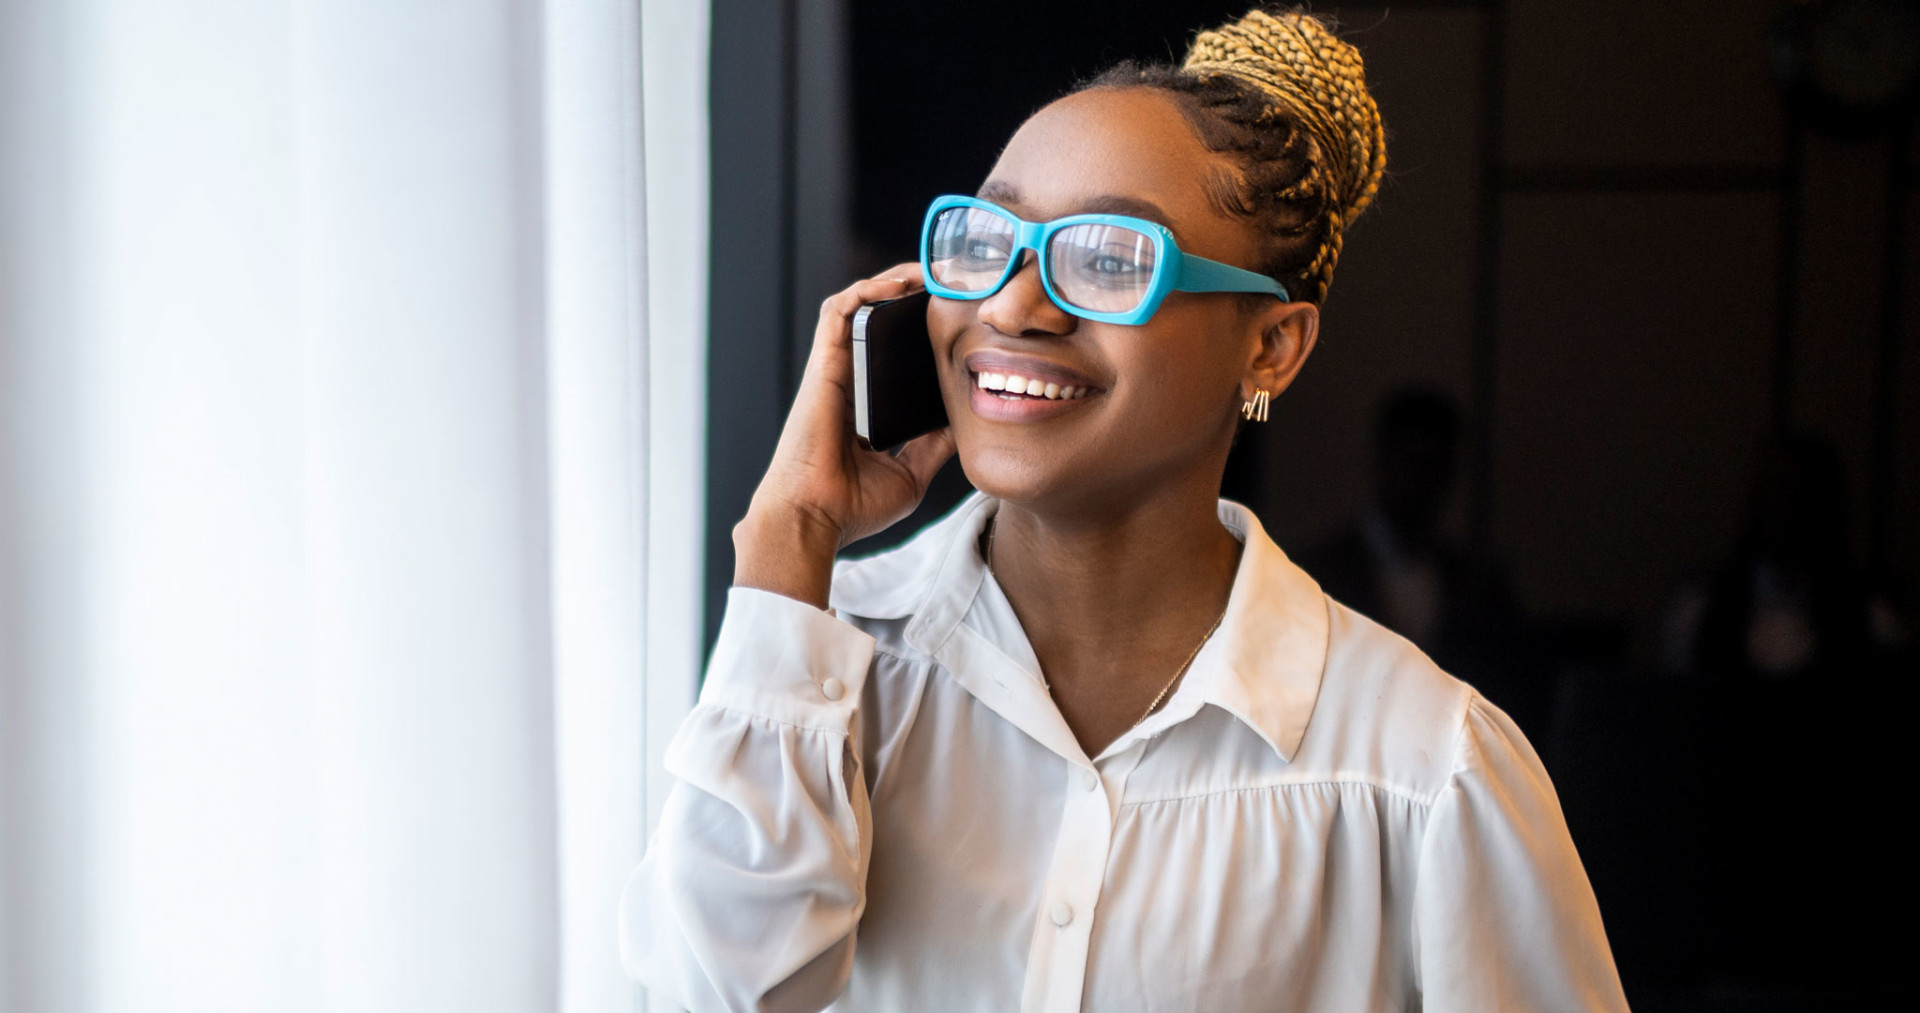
(1016, 384)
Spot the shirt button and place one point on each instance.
(1089, 780)
(1062, 914)
(833, 689)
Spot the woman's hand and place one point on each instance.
(822, 490)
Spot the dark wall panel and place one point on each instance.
(1640, 83)
(748, 308)
(1636, 344)
(1904, 508)
(1836, 347)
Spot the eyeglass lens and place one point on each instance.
(969, 248)
(1103, 268)
(1100, 268)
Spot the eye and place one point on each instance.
(983, 251)
(1116, 266)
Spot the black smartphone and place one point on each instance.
(896, 388)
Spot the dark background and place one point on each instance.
(1638, 271)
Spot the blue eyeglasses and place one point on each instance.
(1112, 268)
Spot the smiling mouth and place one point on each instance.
(1014, 387)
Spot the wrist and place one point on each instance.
(786, 551)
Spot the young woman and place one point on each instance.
(1092, 741)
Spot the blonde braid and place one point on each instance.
(1319, 79)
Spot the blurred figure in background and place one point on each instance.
(1395, 563)
(1782, 635)
(1788, 605)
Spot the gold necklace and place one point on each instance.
(994, 524)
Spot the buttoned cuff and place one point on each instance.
(785, 660)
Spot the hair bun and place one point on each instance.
(1295, 58)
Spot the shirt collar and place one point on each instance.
(1270, 652)
(1263, 665)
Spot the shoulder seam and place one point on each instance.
(1460, 738)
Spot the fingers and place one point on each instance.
(888, 285)
(836, 312)
(896, 281)
(910, 271)
(830, 360)
(826, 390)
(924, 455)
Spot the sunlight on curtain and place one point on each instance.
(675, 45)
(327, 432)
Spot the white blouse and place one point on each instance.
(884, 810)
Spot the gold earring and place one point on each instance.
(1255, 409)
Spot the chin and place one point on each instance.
(1001, 472)
(1040, 482)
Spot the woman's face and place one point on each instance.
(1161, 397)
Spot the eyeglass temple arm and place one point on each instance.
(1198, 274)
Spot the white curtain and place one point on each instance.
(333, 613)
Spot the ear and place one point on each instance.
(1284, 334)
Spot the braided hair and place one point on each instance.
(1288, 99)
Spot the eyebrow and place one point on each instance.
(1004, 193)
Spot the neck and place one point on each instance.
(1138, 582)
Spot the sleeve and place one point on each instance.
(1504, 918)
(753, 884)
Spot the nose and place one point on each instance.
(1021, 307)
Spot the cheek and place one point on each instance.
(947, 319)
(1182, 371)
(1171, 398)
